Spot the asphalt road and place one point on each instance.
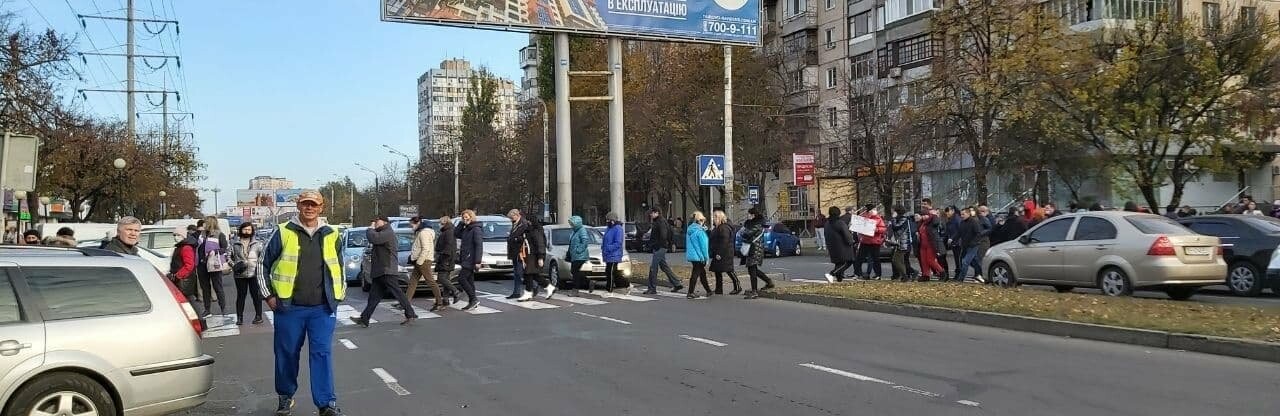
(663, 355)
(813, 264)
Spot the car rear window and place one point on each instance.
(9, 310)
(84, 292)
(1154, 224)
(1267, 225)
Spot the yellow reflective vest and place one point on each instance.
(285, 270)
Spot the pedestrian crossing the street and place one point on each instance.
(219, 326)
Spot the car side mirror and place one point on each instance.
(1025, 239)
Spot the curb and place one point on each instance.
(1233, 347)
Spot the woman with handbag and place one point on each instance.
(722, 252)
(245, 254)
(753, 236)
(578, 255)
(211, 263)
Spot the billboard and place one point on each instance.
(716, 21)
(802, 169)
(255, 198)
(287, 197)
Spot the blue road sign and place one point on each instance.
(711, 170)
(753, 195)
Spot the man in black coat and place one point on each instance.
(659, 240)
(384, 275)
(1010, 228)
(446, 258)
(971, 236)
(516, 240)
(535, 280)
(839, 244)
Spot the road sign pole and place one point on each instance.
(617, 203)
(564, 178)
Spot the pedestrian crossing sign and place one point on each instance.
(711, 170)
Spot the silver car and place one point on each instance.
(558, 250)
(87, 332)
(494, 231)
(1115, 251)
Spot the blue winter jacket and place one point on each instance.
(578, 241)
(612, 247)
(696, 246)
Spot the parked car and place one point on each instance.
(63, 349)
(1248, 243)
(354, 244)
(157, 239)
(558, 249)
(160, 259)
(676, 243)
(778, 241)
(634, 240)
(495, 230)
(1115, 251)
(404, 247)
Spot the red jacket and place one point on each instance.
(188, 254)
(1030, 209)
(878, 238)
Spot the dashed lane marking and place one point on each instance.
(704, 341)
(391, 382)
(347, 343)
(604, 318)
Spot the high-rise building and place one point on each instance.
(529, 56)
(442, 96)
(269, 183)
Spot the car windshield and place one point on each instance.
(1154, 224)
(1267, 225)
(631, 228)
(495, 231)
(560, 236)
(404, 241)
(357, 239)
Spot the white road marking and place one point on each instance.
(479, 310)
(346, 312)
(969, 403)
(423, 313)
(347, 343)
(661, 292)
(271, 316)
(532, 304)
(632, 298)
(854, 376)
(917, 391)
(580, 300)
(704, 341)
(391, 382)
(809, 281)
(604, 318)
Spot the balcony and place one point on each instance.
(806, 19)
(528, 56)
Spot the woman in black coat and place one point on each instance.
(722, 253)
(839, 245)
(446, 257)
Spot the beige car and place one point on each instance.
(90, 332)
(1114, 251)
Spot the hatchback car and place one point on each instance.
(63, 313)
(354, 243)
(1115, 251)
(558, 249)
(1248, 242)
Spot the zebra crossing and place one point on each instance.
(219, 326)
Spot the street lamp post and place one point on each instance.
(120, 164)
(163, 212)
(408, 174)
(377, 197)
(215, 191)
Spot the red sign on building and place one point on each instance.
(802, 166)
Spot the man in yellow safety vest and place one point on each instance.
(303, 282)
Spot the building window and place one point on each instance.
(1132, 9)
(1211, 15)
(913, 50)
(795, 81)
(829, 37)
(860, 24)
(794, 7)
(862, 65)
(895, 10)
(831, 4)
(1248, 15)
(832, 121)
(831, 78)
(799, 200)
(833, 156)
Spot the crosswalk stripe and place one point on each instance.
(346, 312)
(665, 293)
(580, 300)
(271, 317)
(526, 304)
(423, 313)
(479, 310)
(632, 298)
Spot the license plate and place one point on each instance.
(503, 263)
(597, 269)
(1198, 251)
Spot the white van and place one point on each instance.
(173, 223)
(84, 231)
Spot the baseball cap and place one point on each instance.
(310, 195)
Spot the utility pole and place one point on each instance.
(130, 74)
(728, 129)
(564, 166)
(617, 203)
(408, 174)
(546, 162)
(457, 171)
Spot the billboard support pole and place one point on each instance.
(728, 128)
(617, 202)
(564, 178)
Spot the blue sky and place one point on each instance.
(285, 88)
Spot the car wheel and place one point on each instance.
(1063, 289)
(1002, 275)
(797, 248)
(1114, 282)
(777, 250)
(62, 394)
(553, 273)
(1242, 279)
(1180, 292)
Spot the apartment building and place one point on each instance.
(442, 96)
